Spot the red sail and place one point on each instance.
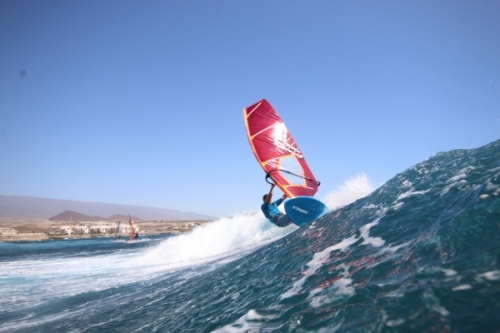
(277, 152)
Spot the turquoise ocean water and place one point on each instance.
(419, 254)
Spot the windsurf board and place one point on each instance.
(304, 210)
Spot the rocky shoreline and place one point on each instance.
(40, 229)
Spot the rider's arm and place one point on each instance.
(280, 200)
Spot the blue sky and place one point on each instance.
(140, 102)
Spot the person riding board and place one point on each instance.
(271, 211)
(134, 230)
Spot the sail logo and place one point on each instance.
(300, 210)
(281, 137)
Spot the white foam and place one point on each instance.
(462, 287)
(458, 180)
(249, 322)
(320, 258)
(450, 272)
(395, 248)
(225, 237)
(406, 183)
(340, 289)
(367, 240)
(399, 201)
(493, 188)
(315, 263)
(410, 193)
(32, 282)
(462, 174)
(394, 322)
(491, 276)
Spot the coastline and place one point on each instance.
(22, 230)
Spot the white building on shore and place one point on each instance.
(105, 228)
(8, 232)
(13, 234)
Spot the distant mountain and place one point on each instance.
(43, 208)
(70, 215)
(123, 217)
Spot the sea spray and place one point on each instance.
(225, 237)
(353, 189)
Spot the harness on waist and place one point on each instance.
(277, 217)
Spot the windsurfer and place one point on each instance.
(271, 211)
(134, 230)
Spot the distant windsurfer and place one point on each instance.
(271, 211)
(134, 230)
